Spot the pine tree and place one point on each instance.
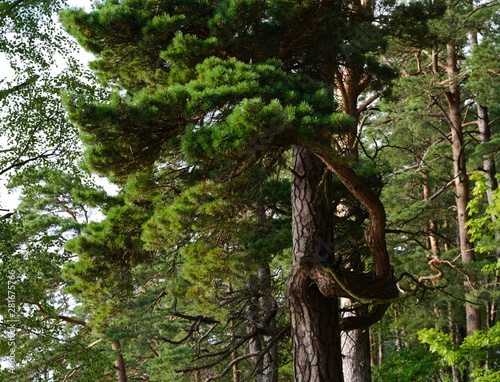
(218, 93)
(432, 124)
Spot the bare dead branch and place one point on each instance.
(193, 328)
(67, 319)
(230, 365)
(491, 3)
(201, 319)
(72, 372)
(94, 343)
(368, 102)
(384, 122)
(440, 191)
(203, 337)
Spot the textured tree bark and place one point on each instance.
(356, 352)
(489, 165)
(268, 306)
(366, 287)
(236, 368)
(432, 229)
(456, 375)
(121, 372)
(314, 317)
(462, 186)
(262, 313)
(380, 348)
(483, 124)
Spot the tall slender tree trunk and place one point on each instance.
(268, 307)
(262, 313)
(490, 170)
(380, 348)
(462, 186)
(373, 349)
(432, 228)
(397, 331)
(455, 340)
(489, 167)
(236, 369)
(356, 363)
(314, 318)
(119, 364)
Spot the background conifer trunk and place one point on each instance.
(121, 372)
(462, 184)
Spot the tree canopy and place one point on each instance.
(293, 177)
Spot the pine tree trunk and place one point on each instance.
(462, 187)
(432, 229)
(236, 367)
(119, 364)
(483, 124)
(455, 340)
(380, 348)
(236, 372)
(268, 307)
(196, 376)
(373, 349)
(261, 312)
(356, 352)
(397, 333)
(489, 166)
(314, 318)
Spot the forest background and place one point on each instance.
(271, 158)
